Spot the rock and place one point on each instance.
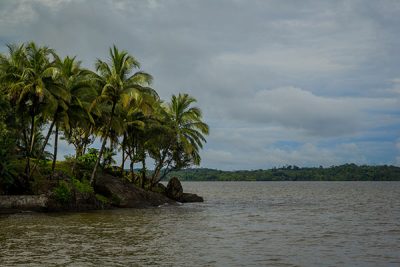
(126, 195)
(16, 203)
(188, 197)
(77, 202)
(175, 192)
(174, 189)
(160, 188)
(115, 191)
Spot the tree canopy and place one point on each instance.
(44, 97)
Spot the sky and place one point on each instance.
(304, 83)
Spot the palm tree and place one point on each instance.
(116, 83)
(188, 125)
(29, 76)
(180, 137)
(138, 111)
(77, 84)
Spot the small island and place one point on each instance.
(45, 98)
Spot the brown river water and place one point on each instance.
(239, 224)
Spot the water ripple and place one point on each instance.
(240, 224)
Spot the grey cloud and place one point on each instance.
(338, 56)
(308, 154)
(317, 115)
(274, 157)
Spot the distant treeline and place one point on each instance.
(346, 172)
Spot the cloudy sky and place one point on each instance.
(280, 82)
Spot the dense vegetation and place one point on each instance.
(347, 172)
(44, 95)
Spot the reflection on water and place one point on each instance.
(240, 224)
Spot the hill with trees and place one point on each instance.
(346, 172)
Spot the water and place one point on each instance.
(240, 224)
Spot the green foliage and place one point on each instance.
(88, 160)
(63, 166)
(4, 110)
(62, 193)
(115, 199)
(7, 148)
(42, 93)
(346, 172)
(7, 170)
(102, 199)
(108, 160)
(83, 186)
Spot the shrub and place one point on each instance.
(102, 199)
(62, 193)
(88, 160)
(83, 186)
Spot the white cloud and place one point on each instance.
(296, 108)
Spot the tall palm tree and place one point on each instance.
(188, 125)
(29, 76)
(77, 84)
(117, 83)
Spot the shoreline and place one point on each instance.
(110, 192)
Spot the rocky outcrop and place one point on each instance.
(175, 192)
(160, 189)
(78, 201)
(126, 195)
(174, 189)
(10, 204)
(110, 192)
(46, 203)
(188, 197)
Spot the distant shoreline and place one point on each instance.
(346, 172)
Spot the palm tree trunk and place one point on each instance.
(32, 136)
(143, 171)
(158, 168)
(87, 134)
(55, 151)
(123, 163)
(27, 156)
(103, 145)
(131, 169)
(46, 140)
(123, 155)
(30, 149)
(83, 149)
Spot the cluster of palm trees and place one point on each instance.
(49, 95)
